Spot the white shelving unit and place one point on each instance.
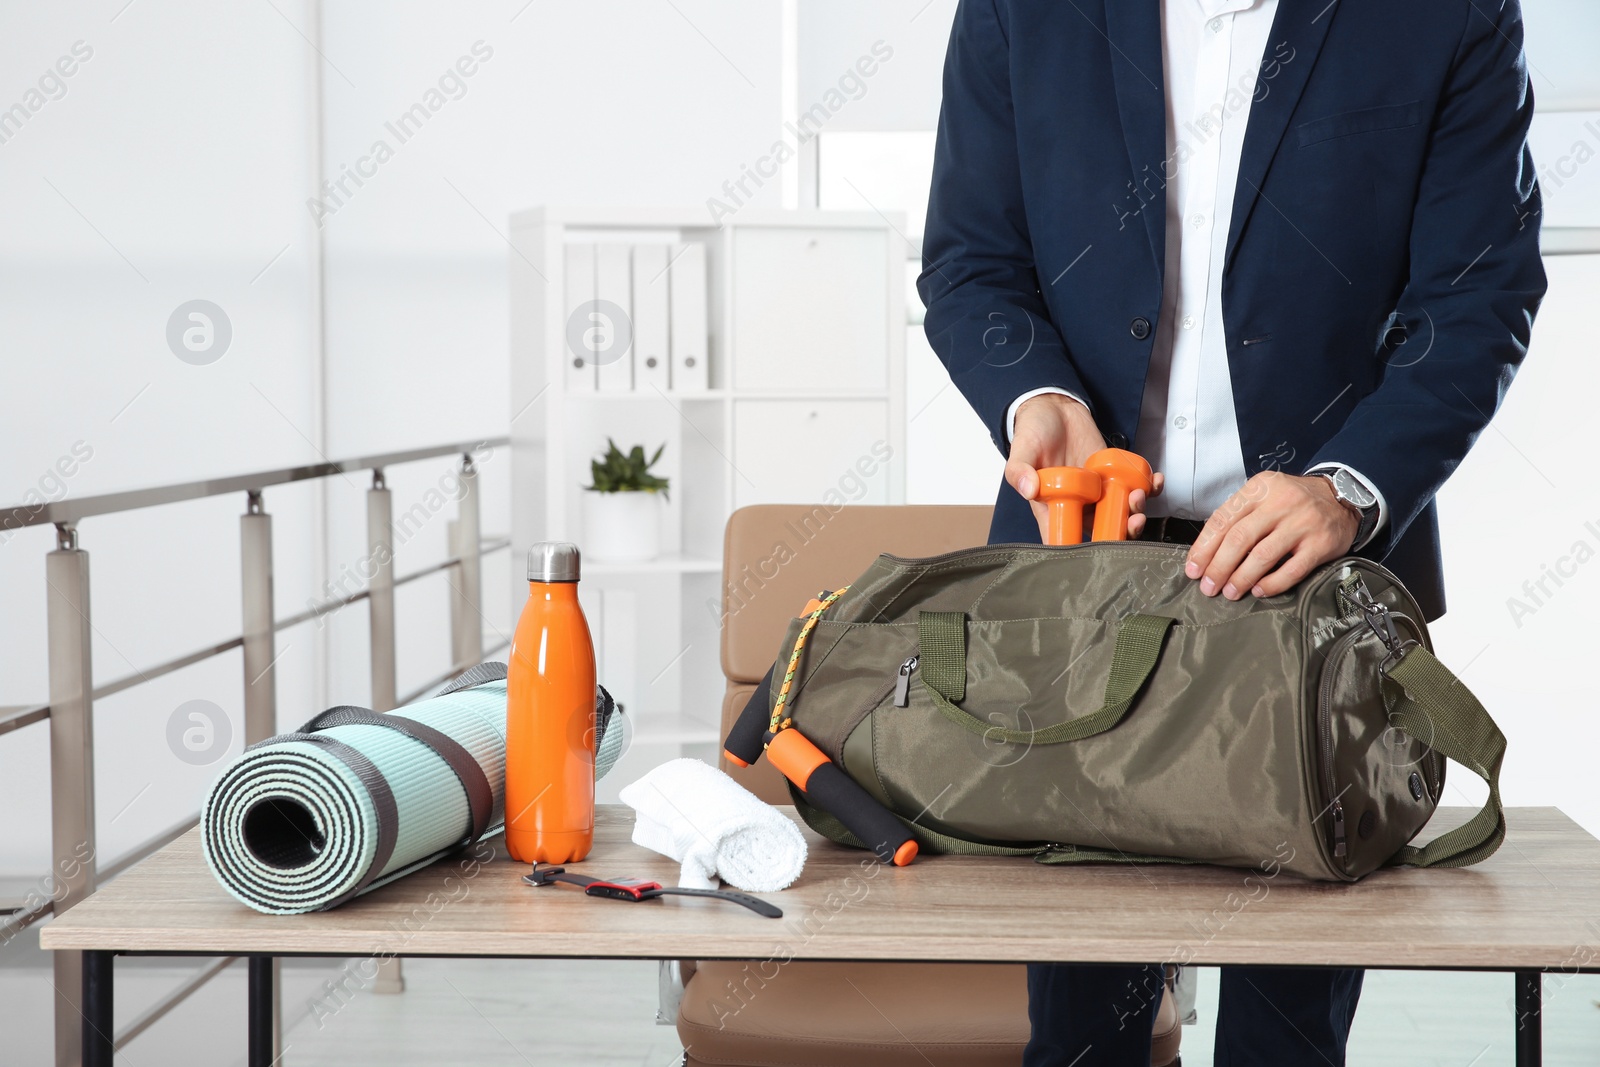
(806, 403)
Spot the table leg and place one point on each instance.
(97, 1023)
(1530, 1033)
(263, 1012)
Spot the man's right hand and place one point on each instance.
(1057, 431)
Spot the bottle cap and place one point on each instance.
(553, 561)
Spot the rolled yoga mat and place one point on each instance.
(305, 821)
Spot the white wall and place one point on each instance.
(606, 103)
(1524, 500)
(1561, 36)
(904, 93)
(167, 170)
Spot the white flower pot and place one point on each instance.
(621, 527)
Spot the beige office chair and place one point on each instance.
(775, 558)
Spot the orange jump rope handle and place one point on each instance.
(836, 793)
(1065, 492)
(1121, 472)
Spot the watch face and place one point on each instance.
(1352, 490)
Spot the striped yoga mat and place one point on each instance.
(305, 821)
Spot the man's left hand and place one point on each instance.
(1270, 534)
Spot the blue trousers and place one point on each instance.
(1100, 1016)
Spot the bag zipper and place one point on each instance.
(1378, 620)
(1325, 740)
(1084, 546)
(902, 682)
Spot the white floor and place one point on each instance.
(524, 1012)
(1442, 1019)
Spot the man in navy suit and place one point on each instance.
(1287, 250)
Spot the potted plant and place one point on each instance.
(622, 508)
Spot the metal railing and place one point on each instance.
(75, 870)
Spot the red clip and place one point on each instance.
(623, 889)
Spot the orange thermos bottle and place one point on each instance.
(550, 695)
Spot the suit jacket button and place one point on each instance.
(1140, 328)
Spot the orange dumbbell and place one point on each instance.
(1120, 473)
(1065, 492)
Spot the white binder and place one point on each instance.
(613, 333)
(688, 298)
(577, 326)
(650, 286)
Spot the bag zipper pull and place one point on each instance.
(1376, 614)
(902, 683)
(1340, 850)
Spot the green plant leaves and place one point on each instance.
(626, 472)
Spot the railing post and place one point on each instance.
(380, 599)
(466, 587)
(260, 650)
(72, 843)
(260, 641)
(380, 609)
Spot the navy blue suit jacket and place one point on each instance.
(1382, 268)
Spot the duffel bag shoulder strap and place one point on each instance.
(942, 652)
(1431, 704)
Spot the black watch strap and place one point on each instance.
(755, 904)
(636, 890)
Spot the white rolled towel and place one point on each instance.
(714, 826)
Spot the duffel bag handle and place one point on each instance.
(942, 662)
(1428, 702)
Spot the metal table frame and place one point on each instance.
(99, 980)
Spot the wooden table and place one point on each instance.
(1531, 908)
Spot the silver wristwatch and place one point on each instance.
(1352, 494)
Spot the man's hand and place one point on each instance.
(1273, 532)
(1056, 431)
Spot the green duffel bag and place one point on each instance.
(1088, 703)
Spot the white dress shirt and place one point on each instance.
(1188, 429)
